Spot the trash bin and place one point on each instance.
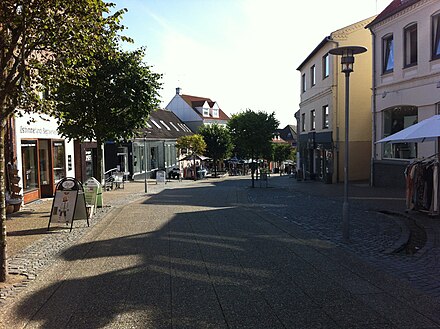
(160, 176)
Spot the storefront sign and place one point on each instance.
(68, 204)
(37, 131)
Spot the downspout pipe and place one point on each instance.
(335, 85)
(373, 108)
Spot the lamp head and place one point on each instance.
(347, 56)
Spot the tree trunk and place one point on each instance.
(3, 256)
(99, 174)
(194, 167)
(215, 168)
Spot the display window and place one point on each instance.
(59, 161)
(29, 164)
(43, 166)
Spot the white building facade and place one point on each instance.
(196, 111)
(406, 83)
(43, 157)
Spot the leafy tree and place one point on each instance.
(195, 144)
(252, 134)
(281, 152)
(40, 41)
(116, 102)
(218, 143)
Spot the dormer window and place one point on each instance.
(156, 124)
(205, 112)
(215, 113)
(164, 124)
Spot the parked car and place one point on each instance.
(174, 173)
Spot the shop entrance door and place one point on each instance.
(45, 162)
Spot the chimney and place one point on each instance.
(178, 90)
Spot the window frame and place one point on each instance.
(303, 122)
(313, 75)
(387, 53)
(303, 83)
(325, 66)
(408, 45)
(325, 117)
(435, 36)
(313, 120)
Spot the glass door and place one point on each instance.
(46, 181)
(59, 161)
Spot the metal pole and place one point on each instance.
(145, 165)
(345, 207)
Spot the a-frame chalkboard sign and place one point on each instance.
(69, 203)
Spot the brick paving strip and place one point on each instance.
(43, 252)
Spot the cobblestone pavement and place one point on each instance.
(313, 206)
(223, 255)
(379, 226)
(44, 250)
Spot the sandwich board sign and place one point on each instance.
(93, 195)
(69, 203)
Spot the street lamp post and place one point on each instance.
(347, 61)
(145, 164)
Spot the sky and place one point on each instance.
(243, 54)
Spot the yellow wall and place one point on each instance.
(360, 102)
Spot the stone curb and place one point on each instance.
(404, 237)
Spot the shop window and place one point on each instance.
(394, 120)
(44, 158)
(29, 164)
(59, 161)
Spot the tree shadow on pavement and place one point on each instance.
(188, 258)
(211, 257)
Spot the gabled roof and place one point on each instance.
(288, 133)
(164, 124)
(313, 53)
(195, 101)
(393, 8)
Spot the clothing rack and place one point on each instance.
(423, 185)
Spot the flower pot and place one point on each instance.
(9, 209)
(15, 188)
(16, 207)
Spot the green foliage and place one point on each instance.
(218, 141)
(281, 152)
(116, 101)
(252, 133)
(42, 43)
(292, 155)
(195, 144)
